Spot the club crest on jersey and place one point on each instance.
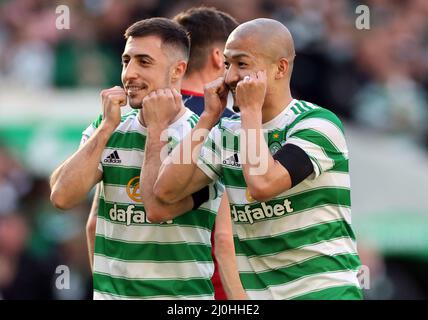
(274, 147)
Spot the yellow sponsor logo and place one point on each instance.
(248, 196)
(133, 189)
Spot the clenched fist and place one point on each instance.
(251, 91)
(215, 95)
(160, 107)
(112, 99)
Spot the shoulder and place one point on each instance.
(194, 103)
(191, 118)
(96, 123)
(131, 114)
(129, 122)
(124, 118)
(311, 115)
(91, 128)
(184, 125)
(230, 124)
(187, 121)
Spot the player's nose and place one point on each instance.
(130, 71)
(231, 77)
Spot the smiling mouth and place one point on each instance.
(133, 89)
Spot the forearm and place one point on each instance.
(225, 254)
(258, 162)
(264, 176)
(156, 210)
(175, 177)
(228, 273)
(91, 226)
(76, 176)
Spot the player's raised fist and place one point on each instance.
(251, 91)
(160, 107)
(112, 99)
(215, 96)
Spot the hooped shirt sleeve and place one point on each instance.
(210, 161)
(321, 136)
(88, 132)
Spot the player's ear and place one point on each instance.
(178, 71)
(217, 58)
(282, 67)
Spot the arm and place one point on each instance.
(180, 175)
(179, 178)
(264, 176)
(160, 109)
(78, 174)
(225, 253)
(91, 225)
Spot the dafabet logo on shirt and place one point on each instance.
(133, 189)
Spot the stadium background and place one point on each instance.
(376, 80)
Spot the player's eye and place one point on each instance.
(144, 62)
(242, 64)
(125, 62)
(227, 64)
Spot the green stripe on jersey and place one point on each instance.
(335, 293)
(323, 264)
(318, 113)
(145, 289)
(126, 251)
(324, 142)
(294, 239)
(127, 140)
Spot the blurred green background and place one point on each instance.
(376, 80)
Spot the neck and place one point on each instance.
(195, 82)
(275, 103)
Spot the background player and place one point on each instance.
(208, 29)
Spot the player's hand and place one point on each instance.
(251, 91)
(215, 96)
(160, 107)
(112, 99)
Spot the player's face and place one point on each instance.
(241, 59)
(145, 67)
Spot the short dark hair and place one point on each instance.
(170, 32)
(206, 26)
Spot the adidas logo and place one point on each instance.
(113, 158)
(232, 161)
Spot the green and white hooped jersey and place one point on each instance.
(137, 259)
(300, 244)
